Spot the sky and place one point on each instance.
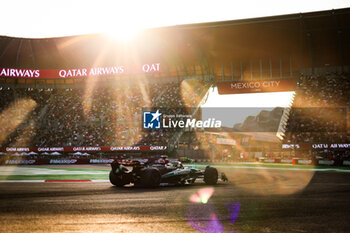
(55, 18)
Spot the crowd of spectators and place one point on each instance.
(97, 115)
(320, 110)
(102, 115)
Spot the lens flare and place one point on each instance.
(233, 210)
(265, 181)
(202, 216)
(202, 196)
(26, 136)
(125, 34)
(192, 92)
(213, 226)
(14, 115)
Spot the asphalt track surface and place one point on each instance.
(253, 201)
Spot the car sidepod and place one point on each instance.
(179, 176)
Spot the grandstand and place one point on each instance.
(87, 93)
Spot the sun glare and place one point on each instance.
(124, 34)
(103, 15)
(15, 115)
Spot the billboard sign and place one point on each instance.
(256, 86)
(79, 72)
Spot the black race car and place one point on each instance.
(150, 174)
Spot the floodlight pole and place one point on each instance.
(232, 74)
(241, 70)
(251, 70)
(223, 72)
(260, 63)
(281, 70)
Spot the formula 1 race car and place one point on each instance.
(153, 174)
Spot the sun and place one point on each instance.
(124, 33)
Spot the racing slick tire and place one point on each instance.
(150, 178)
(116, 180)
(210, 175)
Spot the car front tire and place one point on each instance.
(211, 175)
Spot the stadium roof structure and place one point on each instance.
(308, 39)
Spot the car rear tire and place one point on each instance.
(116, 180)
(211, 175)
(150, 178)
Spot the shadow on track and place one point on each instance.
(131, 188)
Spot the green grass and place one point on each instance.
(56, 177)
(72, 169)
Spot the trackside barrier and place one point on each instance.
(268, 160)
(326, 162)
(346, 163)
(286, 161)
(203, 161)
(305, 161)
(298, 161)
(294, 161)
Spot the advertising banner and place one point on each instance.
(346, 163)
(79, 72)
(326, 162)
(305, 161)
(256, 86)
(54, 161)
(320, 146)
(286, 161)
(83, 148)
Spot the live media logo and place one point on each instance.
(151, 120)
